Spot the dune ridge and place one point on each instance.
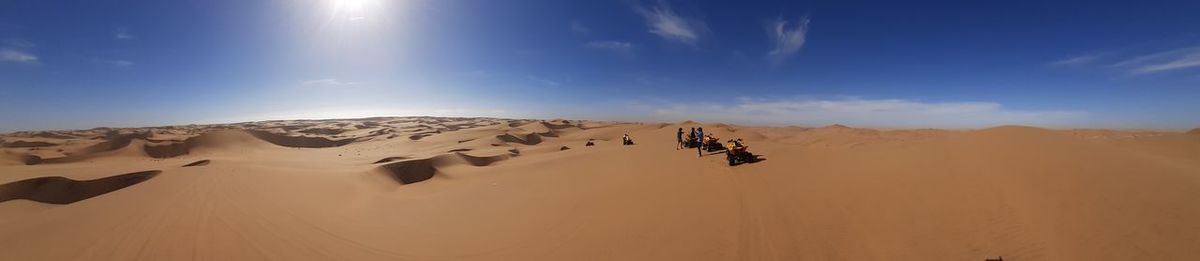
(198, 163)
(235, 137)
(418, 170)
(27, 144)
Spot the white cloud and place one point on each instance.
(667, 24)
(326, 83)
(579, 28)
(123, 34)
(787, 41)
(1077, 60)
(1163, 61)
(860, 112)
(621, 48)
(11, 55)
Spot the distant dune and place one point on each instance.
(427, 188)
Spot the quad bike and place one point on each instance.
(713, 143)
(626, 141)
(691, 142)
(736, 153)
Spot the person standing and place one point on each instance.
(691, 135)
(679, 139)
(700, 135)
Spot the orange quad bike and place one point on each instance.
(713, 143)
(736, 153)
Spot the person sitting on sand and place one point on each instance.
(679, 139)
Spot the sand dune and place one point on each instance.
(60, 190)
(389, 159)
(417, 170)
(299, 141)
(226, 138)
(27, 144)
(427, 188)
(26, 159)
(524, 139)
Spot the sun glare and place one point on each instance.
(351, 9)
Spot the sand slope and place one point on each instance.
(427, 188)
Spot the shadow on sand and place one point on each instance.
(60, 190)
(755, 159)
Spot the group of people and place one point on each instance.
(697, 134)
(735, 151)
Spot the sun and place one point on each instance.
(351, 10)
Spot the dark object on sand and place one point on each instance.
(736, 153)
(712, 144)
(691, 141)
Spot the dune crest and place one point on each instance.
(418, 170)
(235, 138)
(299, 141)
(524, 139)
(198, 163)
(27, 144)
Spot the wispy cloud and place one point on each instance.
(579, 28)
(1077, 60)
(1163, 61)
(326, 83)
(861, 112)
(17, 43)
(12, 55)
(624, 49)
(114, 63)
(787, 40)
(17, 50)
(665, 23)
(123, 33)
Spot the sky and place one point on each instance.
(889, 64)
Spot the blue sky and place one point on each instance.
(951, 64)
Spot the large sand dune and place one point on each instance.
(428, 188)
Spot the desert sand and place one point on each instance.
(424, 188)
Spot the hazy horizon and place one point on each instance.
(770, 63)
